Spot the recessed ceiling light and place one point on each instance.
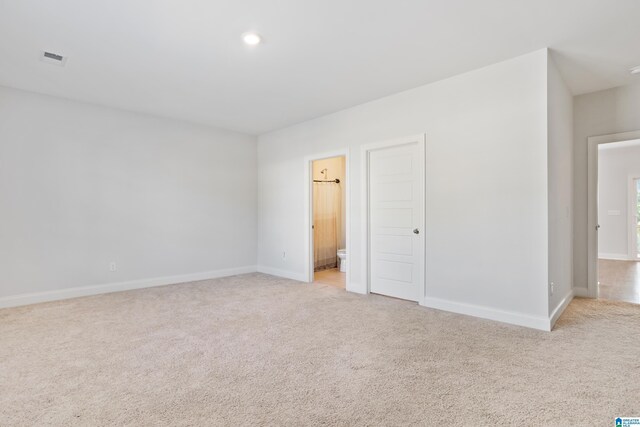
(635, 70)
(251, 39)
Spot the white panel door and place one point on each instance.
(396, 212)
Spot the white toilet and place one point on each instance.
(342, 254)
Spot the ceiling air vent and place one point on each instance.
(53, 58)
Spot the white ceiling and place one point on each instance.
(185, 58)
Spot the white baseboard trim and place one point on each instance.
(82, 291)
(356, 288)
(529, 321)
(555, 315)
(581, 292)
(615, 257)
(300, 277)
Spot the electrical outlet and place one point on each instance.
(552, 288)
(284, 256)
(113, 266)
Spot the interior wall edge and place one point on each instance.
(557, 312)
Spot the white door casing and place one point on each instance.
(591, 289)
(396, 220)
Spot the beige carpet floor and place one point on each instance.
(259, 350)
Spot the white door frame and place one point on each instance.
(308, 210)
(592, 203)
(365, 244)
(631, 216)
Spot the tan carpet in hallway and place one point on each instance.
(259, 350)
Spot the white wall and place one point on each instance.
(560, 158)
(599, 113)
(82, 186)
(336, 169)
(486, 189)
(616, 163)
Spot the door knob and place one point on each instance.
(416, 231)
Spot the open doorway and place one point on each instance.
(328, 221)
(618, 225)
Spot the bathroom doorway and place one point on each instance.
(328, 221)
